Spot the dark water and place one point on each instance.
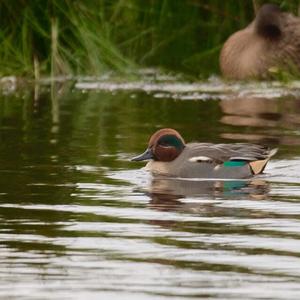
(79, 221)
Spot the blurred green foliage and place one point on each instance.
(91, 37)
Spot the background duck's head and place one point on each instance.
(267, 21)
(164, 145)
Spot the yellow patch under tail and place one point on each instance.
(258, 166)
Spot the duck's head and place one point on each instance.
(164, 145)
(268, 21)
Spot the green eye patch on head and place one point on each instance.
(171, 140)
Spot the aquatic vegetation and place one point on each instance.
(91, 37)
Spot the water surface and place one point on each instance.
(80, 221)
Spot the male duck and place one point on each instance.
(271, 40)
(170, 156)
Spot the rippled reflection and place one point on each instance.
(211, 188)
(276, 119)
(80, 221)
(171, 194)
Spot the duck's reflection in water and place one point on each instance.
(194, 196)
(271, 119)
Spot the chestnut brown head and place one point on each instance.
(164, 145)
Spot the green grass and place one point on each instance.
(54, 37)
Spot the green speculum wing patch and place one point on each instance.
(234, 163)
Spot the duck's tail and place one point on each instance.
(258, 166)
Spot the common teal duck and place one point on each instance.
(271, 40)
(169, 155)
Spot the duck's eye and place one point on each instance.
(165, 142)
(164, 145)
(168, 141)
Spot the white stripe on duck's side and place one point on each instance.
(201, 159)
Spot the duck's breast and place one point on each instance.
(245, 55)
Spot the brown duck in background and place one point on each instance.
(271, 40)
